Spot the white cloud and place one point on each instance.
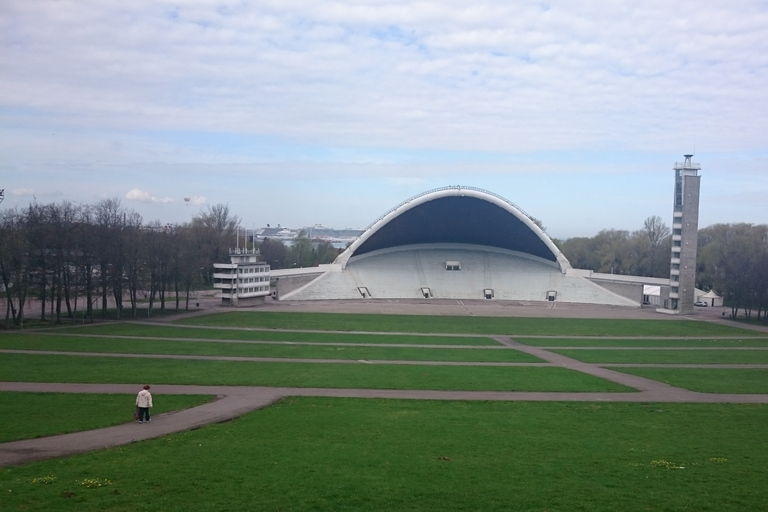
(222, 97)
(142, 196)
(480, 76)
(23, 192)
(196, 200)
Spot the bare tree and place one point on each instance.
(273, 252)
(656, 232)
(216, 231)
(14, 264)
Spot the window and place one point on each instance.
(452, 265)
(678, 189)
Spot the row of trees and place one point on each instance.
(303, 252)
(644, 252)
(104, 253)
(732, 259)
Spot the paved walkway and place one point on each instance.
(233, 401)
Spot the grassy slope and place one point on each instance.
(469, 324)
(46, 368)
(28, 415)
(232, 332)
(668, 356)
(642, 342)
(142, 346)
(348, 455)
(715, 380)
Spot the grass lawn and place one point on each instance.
(321, 454)
(28, 415)
(233, 333)
(705, 380)
(672, 327)
(142, 346)
(668, 356)
(642, 342)
(49, 368)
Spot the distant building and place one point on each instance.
(685, 235)
(711, 298)
(339, 238)
(244, 281)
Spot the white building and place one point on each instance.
(244, 281)
(456, 243)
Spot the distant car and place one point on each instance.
(700, 303)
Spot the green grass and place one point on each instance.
(671, 327)
(668, 356)
(29, 415)
(319, 454)
(49, 368)
(708, 380)
(233, 333)
(142, 346)
(642, 342)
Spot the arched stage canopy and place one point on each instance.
(457, 215)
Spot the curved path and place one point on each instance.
(233, 401)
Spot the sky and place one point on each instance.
(299, 112)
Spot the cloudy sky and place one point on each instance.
(331, 112)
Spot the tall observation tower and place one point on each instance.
(685, 236)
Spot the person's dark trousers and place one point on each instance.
(143, 413)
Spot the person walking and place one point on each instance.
(144, 403)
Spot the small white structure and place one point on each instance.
(711, 298)
(244, 281)
(652, 294)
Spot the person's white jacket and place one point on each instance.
(144, 398)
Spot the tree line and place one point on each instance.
(645, 252)
(732, 259)
(105, 254)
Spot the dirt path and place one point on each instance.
(233, 401)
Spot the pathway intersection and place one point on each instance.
(234, 401)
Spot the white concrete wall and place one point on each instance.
(402, 273)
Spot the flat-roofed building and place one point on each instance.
(244, 281)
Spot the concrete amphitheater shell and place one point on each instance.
(455, 243)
